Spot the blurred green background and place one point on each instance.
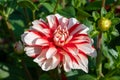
(17, 15)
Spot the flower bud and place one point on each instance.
(18, 47)
(104, 24)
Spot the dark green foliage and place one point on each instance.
(16, 17)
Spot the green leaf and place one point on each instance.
(4, 71)
(113, 53)
(78, 3)
(103, 12)
(105, 50)
(95, 15)
(115, 21)
(48, 6)
(110, 63)
(94, 33)
(115, 33)
(81, 14)
(118, 49)
(68, 12)
(109, 15)
(18, 27)
(107, 55)
(114, 78)
(86, 77)
(96, 5)
(71, 73)
(9, 11)
(27, 4)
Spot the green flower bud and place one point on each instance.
(18, 47)
(104, 24)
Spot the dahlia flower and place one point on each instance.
(58, 42)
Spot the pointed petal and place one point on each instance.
(44, 31)
(94, 54)
(40, 26)
(81, 38)
(51, 52)
(40, 42)
(32, 51)
(46, 65)
(78, 28)
(83, 59)
(52, 21)
(67, 63)
(31, 38)
(42, 57)
(58, 16)
(51, 63)
(85, 29)
(55, 61)
(86, 48)
(41, 23)
(63, 22)
(72, 21)
(80, 64)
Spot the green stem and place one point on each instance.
(99, 51)
(26, 15)
(26, 70)
(103, 3)
(63, 3)
(99, 57)
(33, 12)
(59, 73)
(9, 27)
(54, 11)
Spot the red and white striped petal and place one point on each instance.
(80, 64)
(72, 50)
(58, 17)
(81, 38)
(72, 21)
(67, 63)
(84, 31)
(52, 21)
(40, 22)
(83, 59)
(63, 22)
(30, 38)
(42, 57)
(48, 64)
(86, 48)
(51, 52)
(32, 51)
(78, 28)
(39, 25)
(44, 31)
